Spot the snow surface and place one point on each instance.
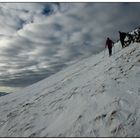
(96, 97)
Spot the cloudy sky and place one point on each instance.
(39, 39)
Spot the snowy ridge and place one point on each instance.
(96, 97)
(3, 93)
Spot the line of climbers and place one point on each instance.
(135, 37)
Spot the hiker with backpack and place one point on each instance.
(109, 44)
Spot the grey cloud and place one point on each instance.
(41, 43)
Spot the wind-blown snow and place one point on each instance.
(96, 97)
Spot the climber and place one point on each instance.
(109, 44)
(122, 37)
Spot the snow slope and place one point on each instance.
(96, 97)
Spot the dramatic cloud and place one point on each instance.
(39, 39)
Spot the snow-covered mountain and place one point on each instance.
(96, 97)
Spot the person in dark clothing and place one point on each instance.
(122, 37)
(109, 44)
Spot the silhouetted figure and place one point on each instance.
(109, 44)
(122, 37)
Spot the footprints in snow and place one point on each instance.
(100, 89)
(117, 120)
